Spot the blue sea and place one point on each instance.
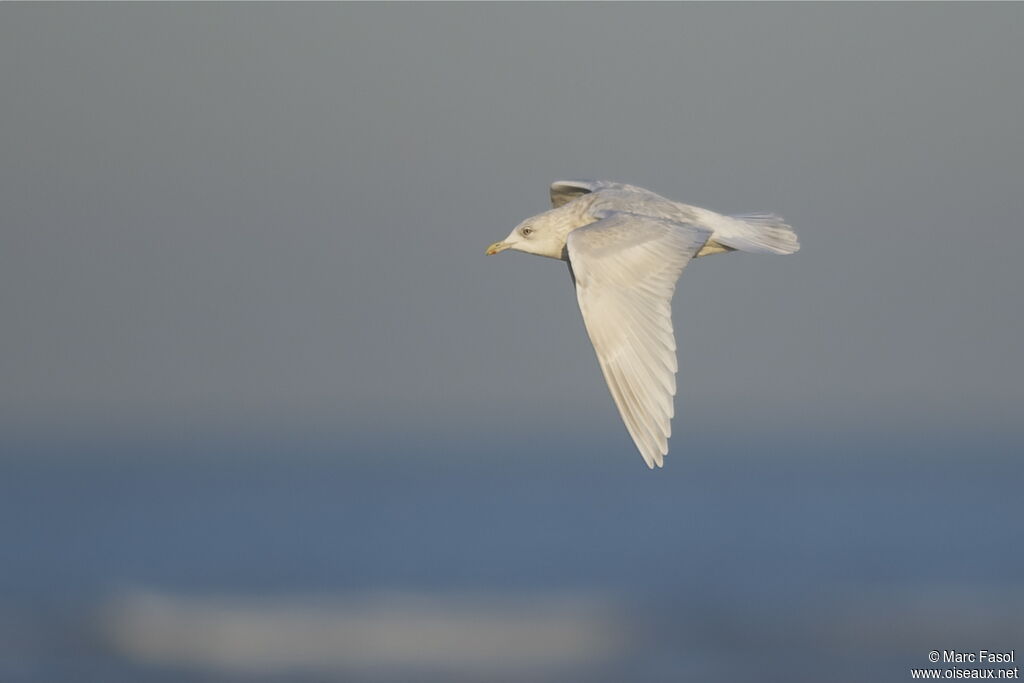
(828, 559)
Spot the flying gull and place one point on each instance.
(626, 247)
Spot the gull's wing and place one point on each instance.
(625, 268)
(564, 191)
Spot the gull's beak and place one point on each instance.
(496, 247)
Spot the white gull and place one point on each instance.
(626, 247)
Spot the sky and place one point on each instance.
(271, 218)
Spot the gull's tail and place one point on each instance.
(759, 233)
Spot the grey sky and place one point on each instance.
(274, 216)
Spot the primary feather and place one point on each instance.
(626, 267)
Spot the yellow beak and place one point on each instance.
(496, 247)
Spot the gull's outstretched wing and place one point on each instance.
(625, 268)
(564, 191)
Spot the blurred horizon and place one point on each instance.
(219, 569)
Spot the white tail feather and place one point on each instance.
(759, 233)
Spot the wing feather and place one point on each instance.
(564, 191)
(625, 267)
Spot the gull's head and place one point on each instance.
(543, 234)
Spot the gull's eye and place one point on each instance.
(526, 232)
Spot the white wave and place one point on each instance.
(466, 635)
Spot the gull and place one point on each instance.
(626, 247)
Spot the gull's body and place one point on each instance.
(626, 247)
